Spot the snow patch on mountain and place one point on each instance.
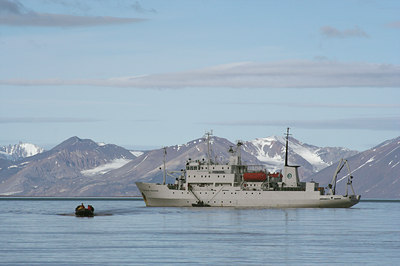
(5, 155)
(262, 147)
(309, 155)
(10, 193)
(137, 153)
(104, 168)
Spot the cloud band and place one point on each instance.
(284, 74)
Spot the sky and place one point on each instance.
(147, 74)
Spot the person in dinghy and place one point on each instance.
(81, 211)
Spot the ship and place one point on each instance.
(205, 183)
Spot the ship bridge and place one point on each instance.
(209, 174)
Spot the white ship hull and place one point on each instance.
(158, 195)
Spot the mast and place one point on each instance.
(287, 147)
(239, 152)
(165, 170)
(208, 134)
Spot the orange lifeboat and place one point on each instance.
(255, 177)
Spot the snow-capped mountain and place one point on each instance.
(68, 169)
(271, 152)
(376, 171)
(19, 151)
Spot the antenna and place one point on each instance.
(287, 147)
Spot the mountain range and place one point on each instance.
(82, 167)
(376, 171)
(60, 171)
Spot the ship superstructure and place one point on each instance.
(206, 183)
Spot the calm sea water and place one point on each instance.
(37, 232)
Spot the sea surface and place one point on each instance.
(125, 232)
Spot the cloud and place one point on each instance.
(321, 105)
(371, 123)
(35, 120)
(14, 13)
(394, 24)
(282, 74)
(332, 32)
(11, 7)
(138, 8)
